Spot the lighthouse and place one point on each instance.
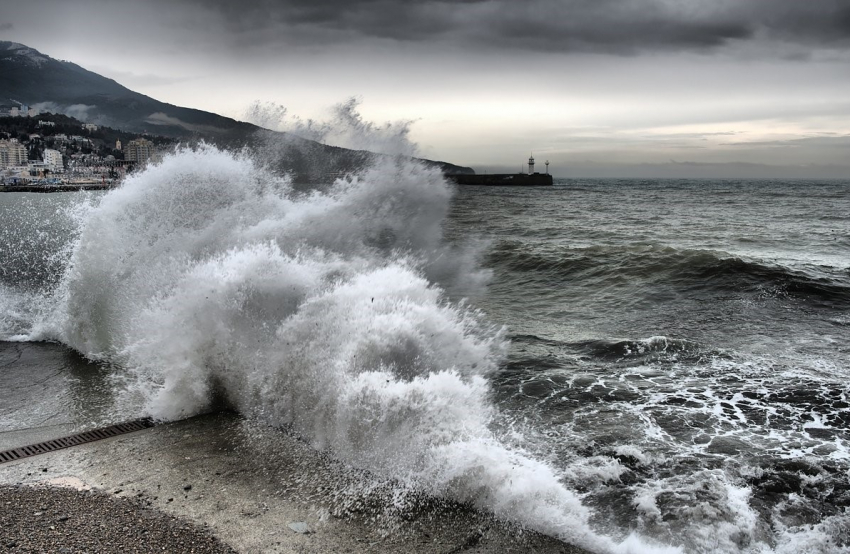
(531, 165)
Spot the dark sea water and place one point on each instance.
(632, 366)
(681, 349)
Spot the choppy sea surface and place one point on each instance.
(628, 365)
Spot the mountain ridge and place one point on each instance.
(27, 76)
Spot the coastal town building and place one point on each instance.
(53, 160)
(12, 153)
(18, 111)
(59, 150)
(139, 150)
(37, 168)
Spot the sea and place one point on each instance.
(629, 365)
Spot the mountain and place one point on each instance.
(29, 77)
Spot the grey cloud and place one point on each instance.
(6, 26)
(77, 111)
(612, 26)
(842, 142)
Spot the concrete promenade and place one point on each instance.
(264, 491)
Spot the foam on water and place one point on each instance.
(206, 278)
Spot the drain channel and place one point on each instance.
(75, 440)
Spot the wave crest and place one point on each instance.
(206, 278)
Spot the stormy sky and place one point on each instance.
(728, 88)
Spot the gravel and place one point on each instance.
(68, 521)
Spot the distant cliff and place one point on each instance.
(30, 77)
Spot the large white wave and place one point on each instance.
(207, 277)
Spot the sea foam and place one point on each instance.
(208, 278)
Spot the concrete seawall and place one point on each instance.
(55, 188)
(503, 179)
(246, 484)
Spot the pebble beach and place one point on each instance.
(64, 520)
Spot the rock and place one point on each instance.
(300, 527)
(187, 487)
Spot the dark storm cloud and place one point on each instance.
(614, 26)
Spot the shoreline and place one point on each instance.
(254, 487)
(56, 188)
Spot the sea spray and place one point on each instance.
(658, 377)
(344, 127)
(37, 236)
(207, 277)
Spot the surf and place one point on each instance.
(209, 279)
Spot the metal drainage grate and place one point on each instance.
(74, 440)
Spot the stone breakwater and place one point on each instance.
(54, 188)
(503, 179)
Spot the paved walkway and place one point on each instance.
(262, 491)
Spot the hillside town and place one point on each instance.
(48, 150)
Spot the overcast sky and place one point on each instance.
(598, 87)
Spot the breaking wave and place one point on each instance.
(208, 279)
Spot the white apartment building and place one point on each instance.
(12, 153)
(53, 160)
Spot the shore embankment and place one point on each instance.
(55, 188)
(256, 490)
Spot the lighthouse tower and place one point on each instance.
(531, 165)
